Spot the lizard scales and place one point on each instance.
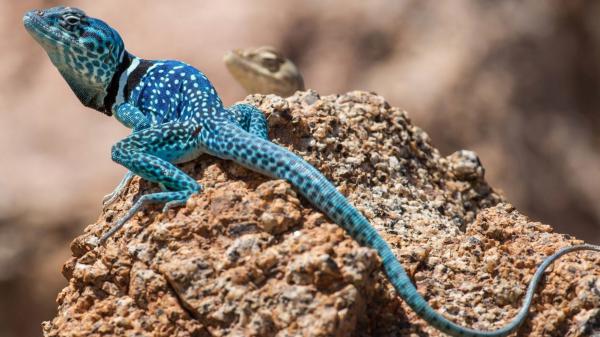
(176, 115)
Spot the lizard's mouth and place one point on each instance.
(45, 34)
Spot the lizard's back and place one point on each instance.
(171, 91)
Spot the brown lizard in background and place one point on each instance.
(264, 70)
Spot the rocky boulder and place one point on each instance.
(250, 257)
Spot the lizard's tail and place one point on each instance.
(272, 160)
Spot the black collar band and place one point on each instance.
(113, 88)
(136, 76)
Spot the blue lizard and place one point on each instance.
(176, 115)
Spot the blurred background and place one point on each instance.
(515, 81)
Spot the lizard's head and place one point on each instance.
(85, 50)
(264, 70)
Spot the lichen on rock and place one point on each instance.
(250, 257)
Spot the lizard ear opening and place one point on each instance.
(106, 58)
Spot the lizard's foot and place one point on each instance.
(172, 204)
(149, 153)
(112, 196)
(172, 199)
(251, 119)
(176, 203)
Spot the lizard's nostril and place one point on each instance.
(39, 12)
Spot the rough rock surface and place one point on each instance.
(249, 257)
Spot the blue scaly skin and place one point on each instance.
(176, 115)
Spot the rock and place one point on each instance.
(466, 165)
(249, 257)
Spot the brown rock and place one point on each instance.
(249, 257)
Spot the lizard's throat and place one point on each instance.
(90, 93)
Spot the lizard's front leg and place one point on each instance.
(150, 153)
(133, 118)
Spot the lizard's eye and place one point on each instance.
(271, 63)
(71, 20)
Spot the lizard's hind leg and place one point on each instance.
(251, 119)
(150, 153)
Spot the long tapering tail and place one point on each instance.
(231, 142)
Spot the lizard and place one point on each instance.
(176, 115)
(264, 70)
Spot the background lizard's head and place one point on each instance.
(264, 70)
(86, 51)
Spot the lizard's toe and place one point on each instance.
(172, 204)
(109, 199)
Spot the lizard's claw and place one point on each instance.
(113, 229)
